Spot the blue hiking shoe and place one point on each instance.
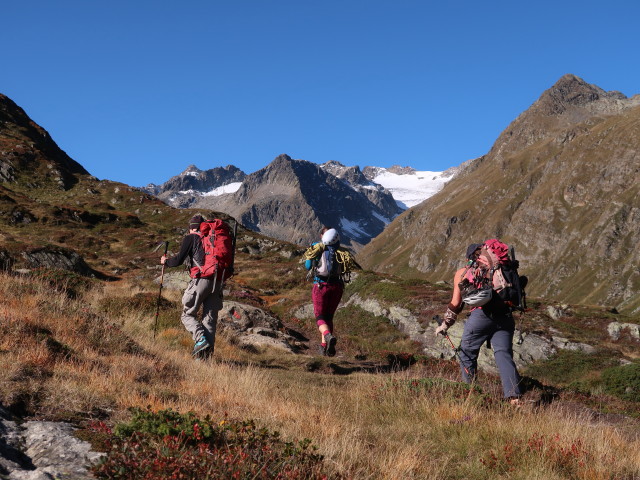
(331, 344)
(200, 347)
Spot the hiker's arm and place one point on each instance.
(185, 249)
(455, 305)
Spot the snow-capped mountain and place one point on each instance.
(408, 186)
(183, 190)
(292, 199)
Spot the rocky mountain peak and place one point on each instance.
(352, 175)
(191, 170)
(568, 91)
(183, 190)
(29, 154)
(292, 199)
(398, 170)
(568, 103)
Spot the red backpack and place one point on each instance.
(217, 243)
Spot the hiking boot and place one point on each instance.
(331, 344)
(205, 354)
(322, 350)
(200, 347)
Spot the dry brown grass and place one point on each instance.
(60, 358)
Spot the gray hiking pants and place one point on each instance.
(479, 328)
(200, 292)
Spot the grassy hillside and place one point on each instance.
(88, 354)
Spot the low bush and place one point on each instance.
(63, 281)
(623, 381)
(168, 445)
(569, 367)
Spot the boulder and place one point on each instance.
(57, 258)
(615, 330)
(37, 450)
(253, 328)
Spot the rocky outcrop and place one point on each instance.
(254, 329)
(57, 258)
(36, 450)
(617, 329)
(527, 347)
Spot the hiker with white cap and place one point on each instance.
(326, 261)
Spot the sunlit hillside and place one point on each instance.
(88, 354)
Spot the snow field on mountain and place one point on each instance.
(413, 188)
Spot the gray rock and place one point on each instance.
(252, 327)
(615, 330)
(555, 312)
(38, 450)
(306, 311)
(564, 344)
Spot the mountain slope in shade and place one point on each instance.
(560, 183)
(292, 199)
(27, 150)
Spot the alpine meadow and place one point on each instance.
(91, 339)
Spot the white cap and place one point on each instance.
(330, 237)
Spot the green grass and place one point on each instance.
(363, 333)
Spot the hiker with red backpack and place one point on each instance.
(208, 250)
(491, 286)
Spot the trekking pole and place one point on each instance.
(155, 324)
(455, 350)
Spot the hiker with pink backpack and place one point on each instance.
(491, 286)
(208, 251)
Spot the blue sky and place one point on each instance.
(138, 90)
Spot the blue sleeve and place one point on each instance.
(308, 264)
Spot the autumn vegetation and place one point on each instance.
(72, 349)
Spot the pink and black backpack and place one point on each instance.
(492, 273)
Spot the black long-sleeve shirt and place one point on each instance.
(191, 249)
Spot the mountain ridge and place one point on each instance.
(293, 199)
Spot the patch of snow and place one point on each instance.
(228, 188)
(382, 218)
(352, 229)
(189, 192)
(413, 188)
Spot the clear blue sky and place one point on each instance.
(137, 90)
